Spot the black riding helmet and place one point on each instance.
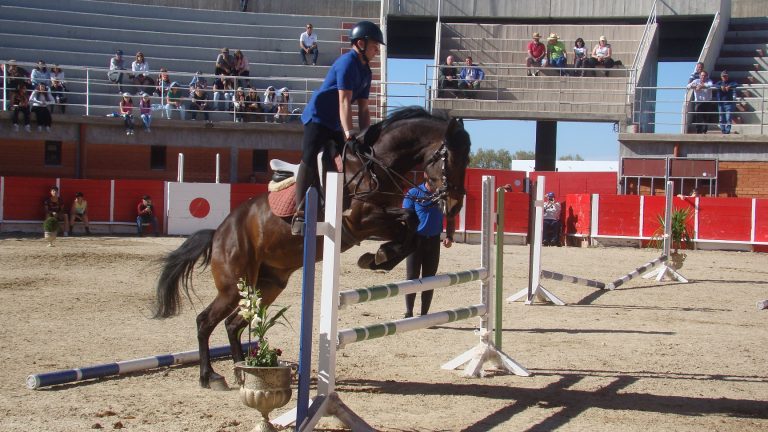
(366, 30)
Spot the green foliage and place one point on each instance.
(681, 238)
(253, 310)
(490, 159)
(51, 224)
(524, 155)
(570, 157)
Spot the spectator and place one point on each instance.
(449, 78)
(41, 74)
(270, 101)
(53, 206)
(424, 260)
(253, 107)
(175, 101)
(15, 75)
(601, 54)
(725, 95)
(470, 78)
(243, 5)
(242, 68)
(308, 45)
(198, 80)
(145, 110)
(696, 72)
(223, 90)
(163, 83)
(702, 106)
(285, 111)
(20, 104)
(200, 103)
(140, 69)
(79, 213)
(144, 83)
(551, 234)
(224, 63)
(146, 215)
(126, 112)
(40, 100)
(537, 55)
(116, 64)
(240, 105)
(556, 54)
(579, 56)
(59, 87)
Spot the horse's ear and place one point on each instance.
(453, 126)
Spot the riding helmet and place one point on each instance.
(366, 30)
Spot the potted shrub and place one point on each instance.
(51, 229)
(265, 381)
(680, 237)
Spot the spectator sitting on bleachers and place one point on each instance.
(470, 78)
(449, 77)
(117, 64)
(242, 68)
(126, 112)
(239, 105)
(285, 112)
(556, 56)
(59, 87)
(579, 56)
(601, 55)
(53, 206)
(144, 84)
(146, 215)
(696, 72)
(537, 55)
(139, 68)
(175, 101)
(224, 63)
(145, 110)
(253, 107)
(41, 74)
(199, 103)
(20, 104)
(270, 101)
(79, 213)
(198, 80)
(702, 94)
(163, 83)
(223, 90)
(40, 100)
(725, 95)
(308, 45)
(15, 74)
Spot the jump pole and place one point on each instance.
(665, 271)
(124, 367)
(327, 402)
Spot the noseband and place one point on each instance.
(446, 188)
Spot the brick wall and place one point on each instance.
(743, 179)
(27, 158)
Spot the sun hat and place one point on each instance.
(126, 94)
(536, 35)
(602, 38)
(552, 36)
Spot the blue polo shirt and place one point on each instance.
(430, 216)
(347, 73)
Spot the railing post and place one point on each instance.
(5, 74)
(87, 91)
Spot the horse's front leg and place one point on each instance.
(402, 229)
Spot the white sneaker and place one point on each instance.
(47, 128)
(15, 128)
(127, 132)
(27, 128)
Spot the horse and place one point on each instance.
(254, 244)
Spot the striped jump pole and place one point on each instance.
(546, 274)
(124, 367)
(637, 272)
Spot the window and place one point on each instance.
(53, 153)
(260, 163)
(157, 157)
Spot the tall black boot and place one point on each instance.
(426, 301)
(410, 300)
(303, 183)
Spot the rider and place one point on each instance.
(328, 115)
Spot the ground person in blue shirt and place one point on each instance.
(328, 115)
(426, 257)
(725, 95)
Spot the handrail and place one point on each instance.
(644, 40)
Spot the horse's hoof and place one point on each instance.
(366, 261)
(214, 382)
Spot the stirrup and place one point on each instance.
(297, 224)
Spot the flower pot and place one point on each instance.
(676, 260)
(50, 237)
(264, 388)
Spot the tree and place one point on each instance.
(570, 157)
(524, 155)
(490, 159)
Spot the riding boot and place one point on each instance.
(303, 182)
(426, 301)
(410, 300)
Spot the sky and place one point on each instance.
(592, 141)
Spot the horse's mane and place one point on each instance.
(400, 114)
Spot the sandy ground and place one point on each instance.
(647, 357)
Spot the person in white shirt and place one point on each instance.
(551, 234)
(703, 107)
(308, 45)
(40, 100)
(140, 69)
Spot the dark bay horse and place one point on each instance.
(254, 244)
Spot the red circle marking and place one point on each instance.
(199, 208)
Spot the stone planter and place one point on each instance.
(264, 389)
(50, 237)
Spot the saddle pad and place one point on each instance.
(283, 202)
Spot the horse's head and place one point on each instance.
(447, 167)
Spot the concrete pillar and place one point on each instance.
(546, 145)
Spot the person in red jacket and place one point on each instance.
(146, 214)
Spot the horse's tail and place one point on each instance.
(177, 270)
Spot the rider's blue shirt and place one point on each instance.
(347, 73)
(430, 215)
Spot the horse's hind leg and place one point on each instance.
(234, 324)
(223, 305)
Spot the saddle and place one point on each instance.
(282, 187)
